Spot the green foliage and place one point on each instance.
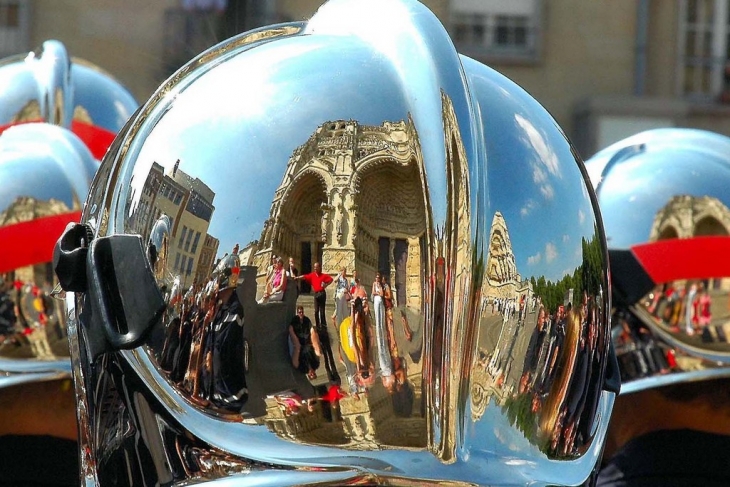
(587, 277)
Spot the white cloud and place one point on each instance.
(527, 209)
(566, 238)
(546, 161)
(547, 191)
(534, 259)
(551, 252)
(581, 216)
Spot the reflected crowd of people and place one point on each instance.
(508, 307)
(686, 307)
(683, 307)
(30, 323)
(206, 353)
(203, 350)
(554, 393)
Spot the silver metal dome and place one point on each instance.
(48, 85)
(58, 115)
(45, 174)
(664, 199)
(359, 139)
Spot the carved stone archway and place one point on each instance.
(391, 218)
(339, 193)
(295, 219)
(686, 216)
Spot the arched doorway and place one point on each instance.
(390, 227)
(709, 226)
(296, 230)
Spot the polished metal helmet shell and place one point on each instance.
(54, 110)
(48, 85)
(45, 173)
(227, 270)
(359, 139)
(664, 199)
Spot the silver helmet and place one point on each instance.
(359, 139)
(664, 199)
(48, 85)
(45, 174)
(58, 115)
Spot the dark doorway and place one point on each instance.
(306, 266)
(384, 257)
(320, 252)
(400, 256)
(308, 261)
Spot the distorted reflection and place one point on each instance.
(540, 347)
(32, 324)
(692, 312)
(695, 309)
(316, 327)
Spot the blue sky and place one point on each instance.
(237, 125)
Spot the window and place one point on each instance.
(187, 240)
(497, 29)
(177, 262)
(704, 50)
(190, 266)
(10, 14)
(195, 242)
(182, 237)
(14, 26)
(199, 207)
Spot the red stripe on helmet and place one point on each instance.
(96, 138)
(685, 258)
(32, 242)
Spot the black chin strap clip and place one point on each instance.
(121, 298)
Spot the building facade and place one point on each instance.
(333, 206)
(186, 205)
(605, 69)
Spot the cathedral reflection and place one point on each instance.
(693, 311)
(250, 335)
(317, 328)
(32, 323)
(539, 346)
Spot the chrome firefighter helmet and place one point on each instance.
(48, 85)
(664, 198)
(358, 139)
(45, 174)
(58, 115)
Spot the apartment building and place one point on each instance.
(605, 68)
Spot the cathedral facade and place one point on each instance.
(352, 196)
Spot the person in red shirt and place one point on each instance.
(319, 281)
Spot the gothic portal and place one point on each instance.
(353, 196)
(687, 216)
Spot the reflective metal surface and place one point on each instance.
(663, 194)
(48, 85)
(358, 143)
(45, 173)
